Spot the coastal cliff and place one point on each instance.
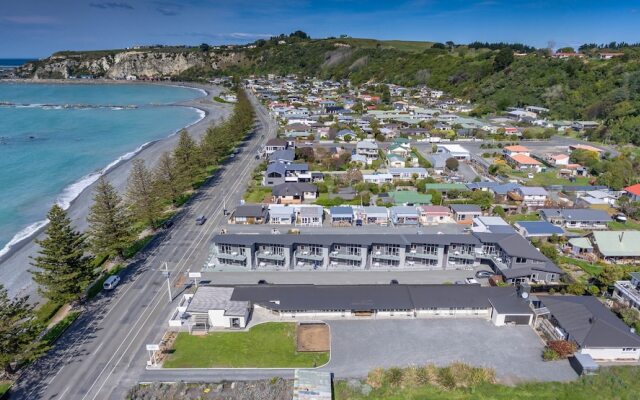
(127, 64)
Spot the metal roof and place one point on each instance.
(540, 227)
(617, 243)
(576, 214)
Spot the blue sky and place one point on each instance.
(36, 28)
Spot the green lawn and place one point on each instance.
(522, 217)
(4, 387)
(270, 345)
(624, 226)
(610, 383)
(548, 178)
(592, 269)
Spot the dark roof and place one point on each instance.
(589, 322)
(373, 297)
(540, 227)
(465, 208)
(251, 210)
(577, 214)
(286, 154)
(276, 142)
(293, 189)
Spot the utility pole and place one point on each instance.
(167, 274)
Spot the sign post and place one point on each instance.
(195, 276)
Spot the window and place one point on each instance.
(521, 260)
(628, 349)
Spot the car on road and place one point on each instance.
(201, 220)
(257, 157)
(484, 274)
(111, 282)
(167, 224)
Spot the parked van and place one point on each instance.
(111, 282)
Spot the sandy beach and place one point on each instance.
(14, 265)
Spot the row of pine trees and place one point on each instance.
(66, 263)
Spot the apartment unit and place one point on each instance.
(510, 255)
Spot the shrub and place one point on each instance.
(375, 378)
(563, 348)
(549, 354)
(393, 376)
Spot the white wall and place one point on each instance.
(612, 354)
(217, 319)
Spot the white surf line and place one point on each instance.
(192, 249)
(157, 303)
(84, 338)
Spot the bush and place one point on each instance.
(549, 354)
(393, 376)
(562, 348)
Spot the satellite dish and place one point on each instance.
(524, 295)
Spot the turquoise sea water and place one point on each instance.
(55, 138)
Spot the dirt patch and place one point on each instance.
(313, 337)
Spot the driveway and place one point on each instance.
(514, 352)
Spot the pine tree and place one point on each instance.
(62, 268)
(18, 331)
(169, 184)
(142, 197)
(187, 157)
(109, 221)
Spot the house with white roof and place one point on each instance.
(453, 151)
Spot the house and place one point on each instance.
(633, 192)
(273, 145)
(522, 162)
(433, 215)
(453, 151)
(378, 179)
(584, 125)
(510, 151)
(281, 172)
(585, 321)
(395, 161)
(404, 215)
(293, 192)
(491, 224)
(409, 198)
(373, 215)
(617, 246)
(407, 174)
(281, 215)
(628, 292)
(310, 216)
(538, 229)
(558, 159)
(345, 135)
(250, 214)
(580, 246)
(398, 149)
(500, 305)
(576, 218)
(596, 198)
(529, 196)
(586, 147)
(367, 149)
(465, 213)
(212, 307)
(282, 156)
(341, 216)
(438, 162)
(359, 159)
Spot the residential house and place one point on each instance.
(281, 215)
(395, 161)
(511, 151)
(628, 292)
(404, 215)
(341, 216)
(617, 246)
(398, 149)
(576, 218)
(407, 174)
(587, 147)
(250, 214)
(465, 213)
(409, 198)
(373, 215)
(633, 192)
(491, 224)
(453, 151)
(584, 125)
(282, 156)
(523, 162)
(585, 321)
(346, 135)
(293, 192)
(281, 172)
(434, 215)
(273, 145)
(580, 247)
(367, 149)
(377, 178)
(438, 162)
(311, 216)
(597, 198)
(538, 229)
(558, 159)
(529, 196)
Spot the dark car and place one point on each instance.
(201, 220)
(167, 224)
(484, 274)
(394, 282)
(262, 282)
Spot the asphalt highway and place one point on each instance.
(103, 353)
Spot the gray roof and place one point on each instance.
(340, 211)
(576, 214)
(251, 210)
(589, 322)
(281, 211)
(375, 211)
(372, 297)
(293, 189)
(286, 155)
(457, 208)
(216, 298)
(406, 210)
(532, 191)
(311, 211)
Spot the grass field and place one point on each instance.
(522, 217)
(548, 178)
(591, 269)
(624, 226)
(270, 345)
(611, 383)
(4, 387)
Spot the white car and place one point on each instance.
(472, 281)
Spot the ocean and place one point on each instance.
(56, 139)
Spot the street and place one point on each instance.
(103, 353)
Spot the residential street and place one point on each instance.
(103, 354)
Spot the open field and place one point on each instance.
(270, 345)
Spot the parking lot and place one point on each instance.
(514, 352)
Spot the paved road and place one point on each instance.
(103, 354)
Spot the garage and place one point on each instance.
(517, 319)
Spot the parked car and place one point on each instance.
(484, 274)
(201, 220)
(262, 282)
(111, 282)
(167, 224)
(471, 281)
(394, 282)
